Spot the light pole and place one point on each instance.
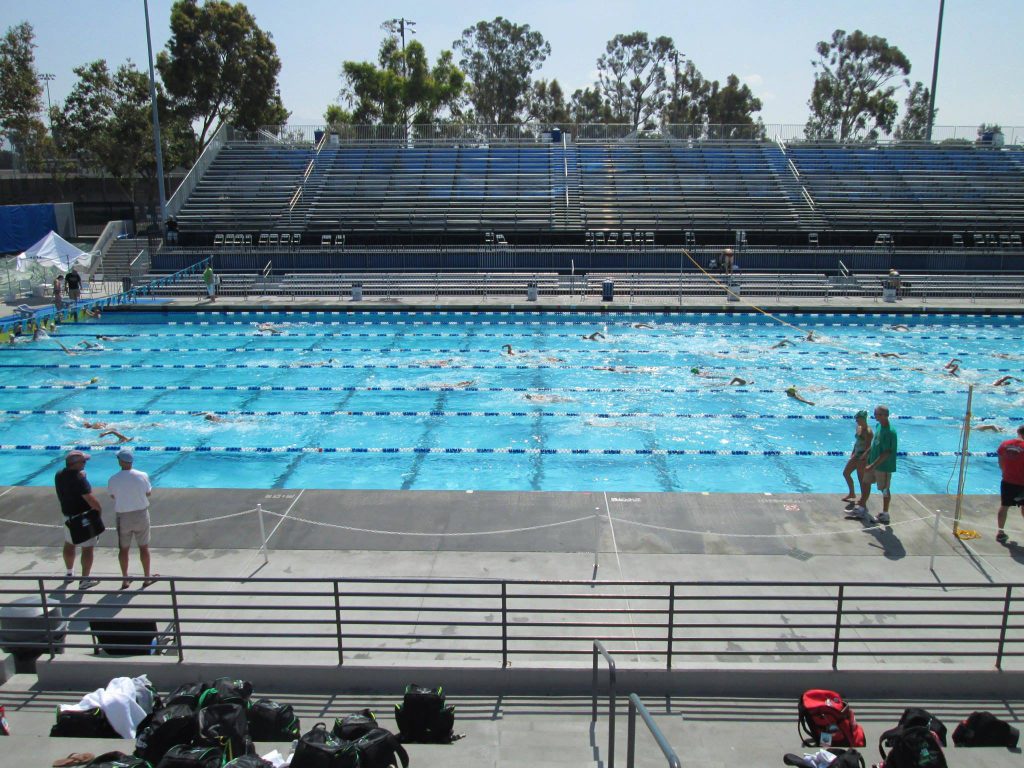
(46, 77)
(935, 70)
(398, 26)
(156, 122)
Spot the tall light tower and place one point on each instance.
(156, 122)
(46, 77)
(935, 71)
(398, 27)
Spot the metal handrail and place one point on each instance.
(600, 649)
(660, 622)
(635, 705)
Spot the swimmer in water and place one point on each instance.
(1003, 381)
(791, 392)
(120, 438)
(547, 398)
(781, 344)
(594, 336)
(810, 336)
(888, 354)
(705, 374)
(436, 363)
(273, 330)
(506, 349)
(899, 327)
(643, 326)
(736, 381)
(989, 428)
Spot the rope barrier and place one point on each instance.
(454, 450)
(876, 526)
(488, 414)
(162, 525)
(456, 534)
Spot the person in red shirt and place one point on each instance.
(1011, 489)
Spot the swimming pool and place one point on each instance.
(431, 401)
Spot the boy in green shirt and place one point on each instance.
(881, 464)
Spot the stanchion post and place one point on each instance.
(597, 536)
(935, 539)
(963, 462)
(263, 534)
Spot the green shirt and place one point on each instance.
(885, 440)
(208, 275)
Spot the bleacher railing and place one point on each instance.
(108, 236)
(475, 133)
(655, 624)
(189, 183)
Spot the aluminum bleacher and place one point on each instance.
(932, 188)
(538, 191)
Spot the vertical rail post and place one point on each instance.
(337, 623)
(671, 624)
(504, 624)
(1002, 629)
(839, 625)
(177, 619)
(46, 618)
(631, 734)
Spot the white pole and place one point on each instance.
(597, 536)
(963, 461)
(263, 534)
(935, 538)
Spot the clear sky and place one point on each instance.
(769, 44)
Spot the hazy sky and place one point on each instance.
(769, 44)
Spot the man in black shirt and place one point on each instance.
(73, 282)
(75, 495)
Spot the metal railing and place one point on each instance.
(107, 238)
(583, 132)
(635, 705)
(191, 180)
(656, 624)
(600, 649)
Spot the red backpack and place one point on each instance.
(821, 710)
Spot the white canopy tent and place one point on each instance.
(52, 251)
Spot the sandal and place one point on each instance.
(126, 583)
(75, 758)
(849, 498)
(1001, 537)
(151, 580)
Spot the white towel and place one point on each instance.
(118, 703)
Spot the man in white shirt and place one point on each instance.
(130, 489)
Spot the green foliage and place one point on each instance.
(335, 114)
(546, 103)
(499, 58)
(852, 98)
(689, 97)
(732, 105)
(20, 91)
(914, 125)
(631, 74)
(590, 106)
(219, 66)
(693, 100)
(402, 86)
(106, 124)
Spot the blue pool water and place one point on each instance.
(429, 401)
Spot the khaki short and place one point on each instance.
(87, 544)
(879, 478)
(133, 524)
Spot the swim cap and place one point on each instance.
(695, 370)
(860, 415)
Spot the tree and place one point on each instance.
(106, 123)
(696, 101)
(914, 125)
(499, 58)
(219, 66)
(733, 105)
(402, 86)
(546, 103)
(589, 106)
(852, 97)
(20, 91)
(689, 95)
(631, 73)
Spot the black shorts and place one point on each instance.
(1011, 495)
